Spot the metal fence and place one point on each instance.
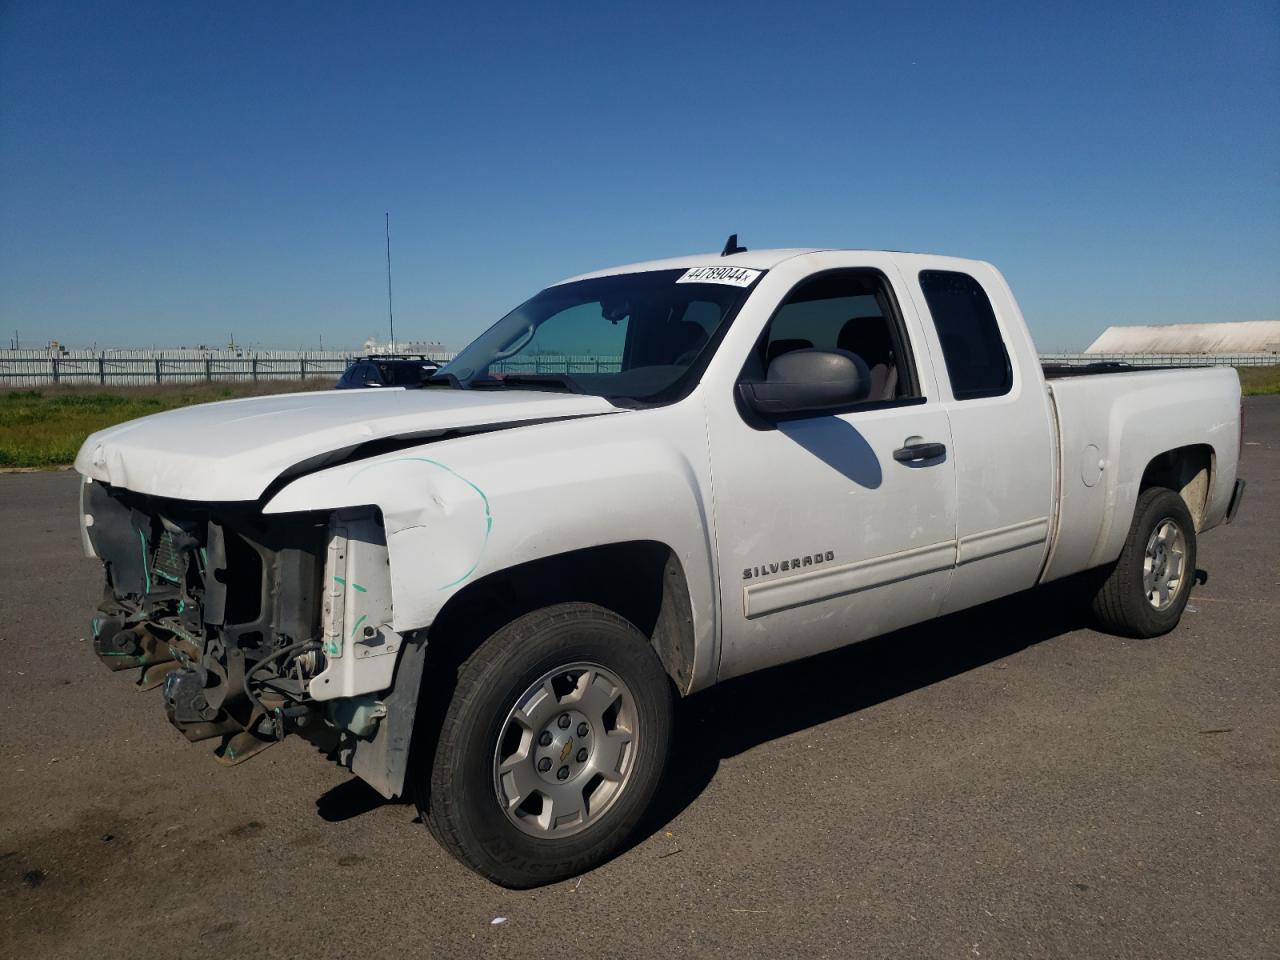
(559, 364)
(32, 368)
(1167, 359)
(22, 368)
(571, 365)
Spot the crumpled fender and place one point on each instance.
(460, 509)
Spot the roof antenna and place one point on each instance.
(731, 246)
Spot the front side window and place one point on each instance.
(843, 310)
(977, 361)
(631, 336)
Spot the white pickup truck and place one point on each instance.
(489, 592)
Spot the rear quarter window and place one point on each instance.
(977, 361)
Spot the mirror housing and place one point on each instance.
(808, 381)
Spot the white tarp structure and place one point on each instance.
(1252, 336)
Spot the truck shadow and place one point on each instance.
(726, 720)
(350, 799)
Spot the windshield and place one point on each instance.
(628, 336)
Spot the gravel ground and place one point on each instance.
(1003, 783)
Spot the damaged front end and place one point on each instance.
(257, 627)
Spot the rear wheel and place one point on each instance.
(552, 747)
(1146, 591)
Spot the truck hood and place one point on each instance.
(234, 449)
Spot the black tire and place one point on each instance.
(1120, 604)
(457, 797)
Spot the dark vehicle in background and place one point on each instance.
(387, 371)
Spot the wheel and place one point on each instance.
(552, 747)
(1145, 592)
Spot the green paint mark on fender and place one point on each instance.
(488, 515)
(339, 581)
(355, 586)
(363, 618)
(484, 499)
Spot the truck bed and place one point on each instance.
(1110, 429)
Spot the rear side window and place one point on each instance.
(977, 362)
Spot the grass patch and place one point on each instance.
(45, 426)
(1256, 381)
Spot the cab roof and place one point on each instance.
(750, 259)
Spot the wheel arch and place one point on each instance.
(1189, 471)
(642, 581)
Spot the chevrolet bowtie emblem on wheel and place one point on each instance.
(568, 749)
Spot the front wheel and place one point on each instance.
(552, 747)
(1146, 591)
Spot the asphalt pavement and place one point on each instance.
(1001, 783)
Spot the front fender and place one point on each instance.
(460, 509)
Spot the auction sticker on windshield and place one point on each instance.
(733, 276)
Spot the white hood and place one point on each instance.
(233, 449)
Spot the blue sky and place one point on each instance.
(172, 173)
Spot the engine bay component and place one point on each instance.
(220, 609)
(256, 630)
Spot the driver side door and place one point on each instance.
(824, 537)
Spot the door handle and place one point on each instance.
(914, 452)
